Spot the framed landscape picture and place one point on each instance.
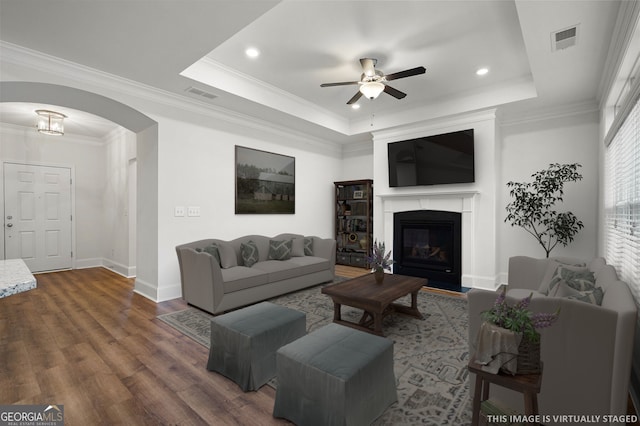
(265, 182)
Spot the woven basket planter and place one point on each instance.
(528, 357)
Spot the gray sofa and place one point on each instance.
(587, 353)
(218, 279)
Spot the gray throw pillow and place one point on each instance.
(297, 247)
(249, 253)
(577, 277)
(580, 279)
(308, 246)
(279, 249)
(594, 296)
(212, 249)
(551, 271)
(228, 257)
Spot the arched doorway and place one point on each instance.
(146, 166)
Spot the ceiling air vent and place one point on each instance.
(195, 91)
(564, 38)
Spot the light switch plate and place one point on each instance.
(179, 211)
(193, 211)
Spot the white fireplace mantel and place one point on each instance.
(463, 194)
(464, 201)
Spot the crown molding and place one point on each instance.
(536, 115)
(211, 73)
(38, 61)
(434, 125)
(624, 29)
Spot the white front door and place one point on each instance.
(37, 216)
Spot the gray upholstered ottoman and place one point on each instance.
(335, 376)
(244, 342)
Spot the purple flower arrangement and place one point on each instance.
(518, 318)
(378, 259)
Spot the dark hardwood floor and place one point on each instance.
(84, 339)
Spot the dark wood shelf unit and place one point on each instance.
(354, 221)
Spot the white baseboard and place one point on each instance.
(485, 283)
(97, 262)
(156, 294)
(146, 289)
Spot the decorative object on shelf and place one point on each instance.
(508, 340)
(265, 182)
(363, 242)
(379, 261)
(50, 122)
(533, 207)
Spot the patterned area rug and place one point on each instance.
(430, 355)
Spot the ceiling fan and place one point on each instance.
(373, 81)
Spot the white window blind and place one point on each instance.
(622, 200)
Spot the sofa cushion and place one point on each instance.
(297, 247)
(228, 257)
(249, 253)
(277, 270)
(310, 264)
(294, 267)
(280, 249)
(242, 277)
(521, 293)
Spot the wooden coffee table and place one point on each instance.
(376, 300)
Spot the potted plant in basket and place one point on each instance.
(379, 261)
(520, 322)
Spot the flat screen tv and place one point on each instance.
(432, 160)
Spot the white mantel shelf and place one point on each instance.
(427, 194)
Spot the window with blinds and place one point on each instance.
(622, 200)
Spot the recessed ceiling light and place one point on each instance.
(355, 106)
(482, 71)
(252, 52)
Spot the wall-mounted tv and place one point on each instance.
(432, 160)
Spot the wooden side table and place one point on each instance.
(527, 384)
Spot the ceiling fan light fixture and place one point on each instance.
(372, 89)
(50, 122)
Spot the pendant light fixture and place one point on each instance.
(50, 122)
(371, 89)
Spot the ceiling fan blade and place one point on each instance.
(355, 98)
(369, 66)
(342, 83)
(394, 92)
(405, 73)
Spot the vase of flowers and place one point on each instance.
(379, 261)
(519, 320)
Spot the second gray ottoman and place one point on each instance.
(244, 342)
(335, 376)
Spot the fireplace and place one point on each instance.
(428, 243)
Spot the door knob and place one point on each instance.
(9, 225)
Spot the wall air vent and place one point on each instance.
(197, 92)
(564, 38)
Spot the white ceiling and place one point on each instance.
(177, 44)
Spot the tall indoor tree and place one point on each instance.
(533, 206)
